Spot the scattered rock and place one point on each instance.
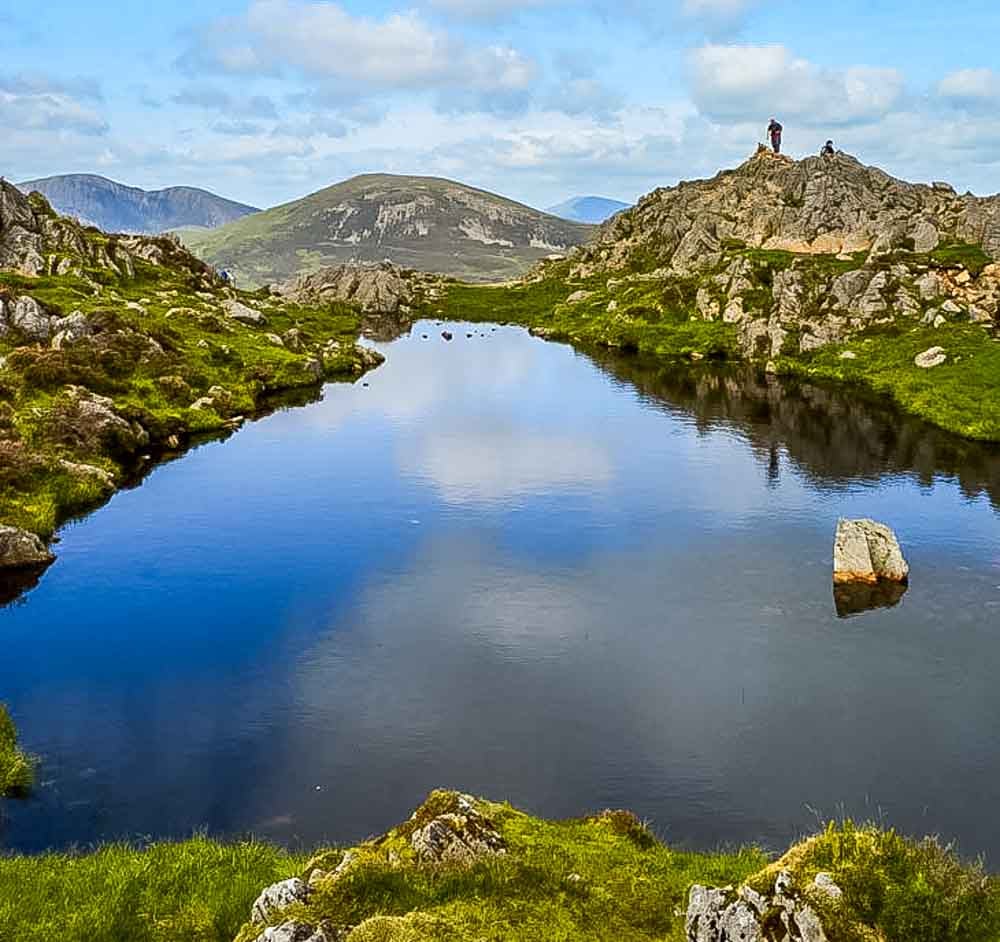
(295, 932)
(848, 355)
(935, 356)
(20, 549)
(447, 334)
(577, 296)
(237, 311)
(744, 915)
(278, 896)
(865, 551)
(382, 288)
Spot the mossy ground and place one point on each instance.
(655, 316)
(196, 348)
(17, 772)
(658, 316)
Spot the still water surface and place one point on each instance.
(510, 568)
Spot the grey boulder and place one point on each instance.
(20, 549)
(867, 551)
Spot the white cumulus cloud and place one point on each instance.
(971, 86)
(748, 83)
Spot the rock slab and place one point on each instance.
(20, 549)
(865, 551)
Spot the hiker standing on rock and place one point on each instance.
(774, 132)
(828, 150)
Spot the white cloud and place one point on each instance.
(472, 465)
(36, 103)
(732, 83)
(324, 40)
(971, 86)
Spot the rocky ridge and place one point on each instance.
(796, 255)
(114, 207)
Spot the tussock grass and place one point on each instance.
(17, 773)
(192, 891)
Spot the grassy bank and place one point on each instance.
(16, 770)
(659, 316)
(604, 877)
(193, 891)
(163, 350)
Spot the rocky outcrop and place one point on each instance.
(745, 915)
(820, 205)
(865, 552)
(20, 549)
(462, 835)
(798, 255)
(381, 288)
(35, 240)
(277, 897)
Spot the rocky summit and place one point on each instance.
(800, 254)
(423, 223)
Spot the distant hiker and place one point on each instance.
(227, 277)
(774, 132)
(827, 150)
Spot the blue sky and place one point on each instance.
(267, 100)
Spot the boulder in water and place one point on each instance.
(865, 551)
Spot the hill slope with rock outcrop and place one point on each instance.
(822, 266)
(115, 207)
(422, 223)
(115, 348)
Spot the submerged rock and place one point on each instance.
(865, 551)
(20, 549)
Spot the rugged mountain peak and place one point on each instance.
(423, 223)
(819, 205)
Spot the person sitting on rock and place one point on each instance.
(774, 132)
(828, 150)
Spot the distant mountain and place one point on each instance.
(424, 223)
(589, 209)
(114, 207)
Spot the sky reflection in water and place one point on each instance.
(506, 567)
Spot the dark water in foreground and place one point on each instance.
(509, 568)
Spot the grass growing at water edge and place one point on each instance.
(17, 772)
(192, 891)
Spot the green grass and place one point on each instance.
(17, 772)
(656, 317)
(605, 877)
(608, 878)
(193, 891)
(962, 395)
